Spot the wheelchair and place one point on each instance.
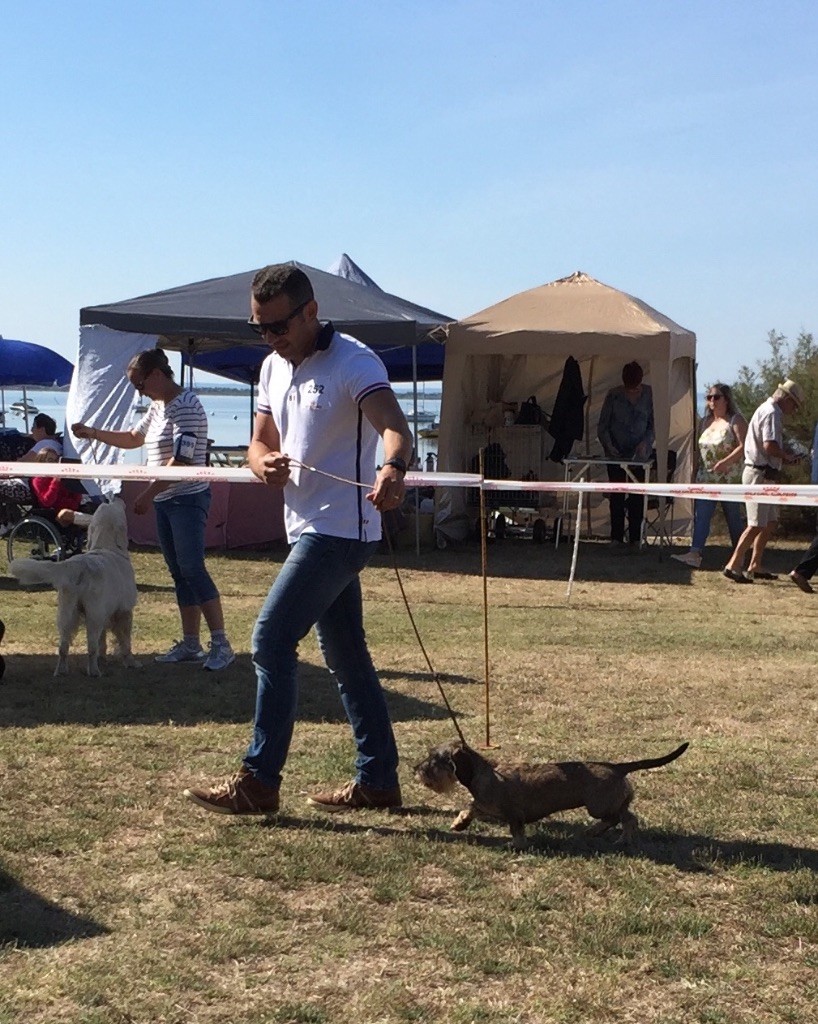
(35, 532)
(38, 536)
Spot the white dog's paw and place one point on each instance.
(131, 662)
(62, 668)
(93, 669)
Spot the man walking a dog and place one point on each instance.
(764, 455)
(324, 400)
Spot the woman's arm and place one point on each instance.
(114, 438)
(739, 426)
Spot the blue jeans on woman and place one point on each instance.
(319, 585)
(703, 515)
(180, 527)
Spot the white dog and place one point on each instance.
(98, 585)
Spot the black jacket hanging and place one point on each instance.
(566, 425)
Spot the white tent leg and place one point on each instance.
(576, 545)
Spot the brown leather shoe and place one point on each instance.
(801, 582)
(356, 796)
(241, 794)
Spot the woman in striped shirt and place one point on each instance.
(174, 431)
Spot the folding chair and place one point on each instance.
(657, 526)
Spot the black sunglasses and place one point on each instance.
(712, 398)
(277, 327)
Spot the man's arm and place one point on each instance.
(603, 430)
(382, 410)
(775, 451)
(264, 457)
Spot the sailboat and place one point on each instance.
(24, 408)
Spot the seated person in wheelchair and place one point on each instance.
(44, 432)
(54, 494)
(16, 491)
(53, 498)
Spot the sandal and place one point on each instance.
(736, 577)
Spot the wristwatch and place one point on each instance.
(396, 463)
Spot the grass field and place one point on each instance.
(121, 902)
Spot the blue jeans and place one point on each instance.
(703, 515)
(180, 527)
(319, 585)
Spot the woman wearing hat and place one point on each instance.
(763, 457)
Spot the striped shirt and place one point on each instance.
(176, 429)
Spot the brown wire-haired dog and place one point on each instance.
(520, 793)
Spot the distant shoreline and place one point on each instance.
(241, 389)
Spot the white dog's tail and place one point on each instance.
(32, 570)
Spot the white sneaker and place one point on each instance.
(221, 655)
(692, 558)
(181, 652)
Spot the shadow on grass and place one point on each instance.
(687, 852)
(596, 562)
(27, 920)
(184, 694)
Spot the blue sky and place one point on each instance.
(459, 152)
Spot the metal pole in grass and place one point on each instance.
(576, 542)
(484, 558)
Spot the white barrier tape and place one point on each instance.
(769, 494)
(228, 474)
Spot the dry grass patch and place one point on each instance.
(120, 902)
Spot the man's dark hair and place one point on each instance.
(49, 425)
(632, 374)
(150, 359)
(282, 278)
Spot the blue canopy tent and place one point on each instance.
(26, 365)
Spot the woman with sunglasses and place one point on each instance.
(174, 433)
(722, 431)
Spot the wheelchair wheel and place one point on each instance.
(36, 538)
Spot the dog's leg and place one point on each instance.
(630, 825)
(628, 820)
(518, 837)
(463, 820)
(603, 825)
(121, 626)
(68, 619)
(95, 633)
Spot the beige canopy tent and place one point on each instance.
(497, 358)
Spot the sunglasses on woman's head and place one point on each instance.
(712, 398)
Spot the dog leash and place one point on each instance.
(435, 675)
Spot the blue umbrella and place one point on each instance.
(26, 365)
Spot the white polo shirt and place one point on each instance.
(316, 407)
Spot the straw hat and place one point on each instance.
(793, 391)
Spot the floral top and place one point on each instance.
(716, 442)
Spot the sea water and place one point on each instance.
(229, 416)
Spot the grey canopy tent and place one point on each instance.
(207, 321)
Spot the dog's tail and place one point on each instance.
(30, 571)
(651, 762)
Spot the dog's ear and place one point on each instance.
(462, 764)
